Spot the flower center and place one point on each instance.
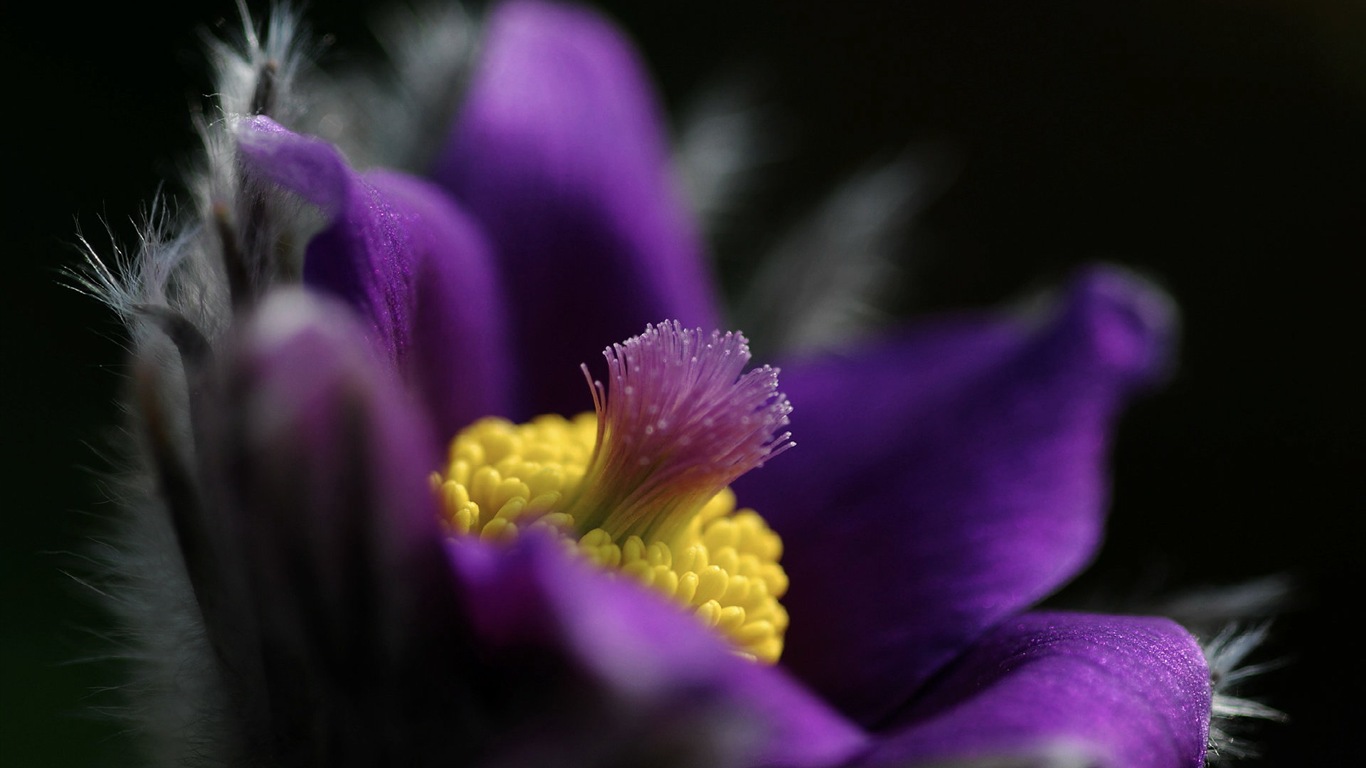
(640, 486)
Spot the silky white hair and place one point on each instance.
(177, 290)
(173, 293)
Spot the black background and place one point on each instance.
(1215, 145)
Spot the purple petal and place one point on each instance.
(400, 252)
(621, 676)
(946, 480)
(560, 153)
(336, 614)
(1108, 691)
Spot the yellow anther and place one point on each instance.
(687, 587)
(694, 558)
(711, 584)
(725, 559)
(498, 529)
(731, 619)
(721, 564)
(709, 612)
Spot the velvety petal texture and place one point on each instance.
(1104, 691)
(947, 479)
(355, 633)
(338, 613)
(334, 615)
(559, 151)
(604, 672)
(405, 257)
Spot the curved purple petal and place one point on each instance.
(560, 152)
(946, 480)
(1106, 691)
(598, 671)
(335, 614)
(400, 252)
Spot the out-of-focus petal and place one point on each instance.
(1105, 691)
(595, 670)
(560, 152)
(400, 252)
(946, 480)
(334, 614)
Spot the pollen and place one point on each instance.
(640, 486)
(503, 478)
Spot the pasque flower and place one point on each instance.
(312, 584)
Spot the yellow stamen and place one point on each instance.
(720, 563)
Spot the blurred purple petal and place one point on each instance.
(1109, 691)
(947, 479)
(338, 623)
(409, 261)
(649, 682)
(560, 152)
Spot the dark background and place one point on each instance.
(1215, 145)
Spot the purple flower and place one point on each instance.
(947, 477)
